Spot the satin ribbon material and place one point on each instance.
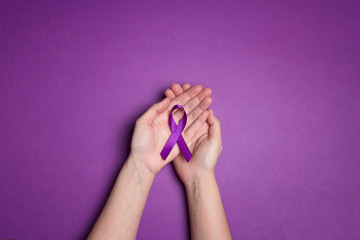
(176, 136)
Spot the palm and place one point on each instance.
(199, 147)
(148, 141)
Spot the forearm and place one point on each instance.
(121, 215)
(207, 214)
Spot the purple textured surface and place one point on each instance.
(75, 75)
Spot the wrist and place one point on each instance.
(142, 171)
(200, 179)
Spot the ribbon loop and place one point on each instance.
(176, 136)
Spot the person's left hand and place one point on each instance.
(152, 129)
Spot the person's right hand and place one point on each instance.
(206, 150)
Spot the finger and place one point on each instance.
(156, 109)
(200, 136)
(214, 127)
(186, 86)
(169, 93)
(176, 88)
(192, 104)
(196, 125)
(194, 114)
(178, 113)
(183, 98)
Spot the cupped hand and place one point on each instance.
(206, 146)
(152, 128)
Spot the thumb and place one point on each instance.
(156, 109)
(214, 127)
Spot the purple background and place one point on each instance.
(75, 75)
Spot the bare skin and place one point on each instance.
(121, 215)
(207, 214)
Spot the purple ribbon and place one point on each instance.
(176, 136)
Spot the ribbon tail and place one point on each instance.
(167, 148)
(184, 148)
(170, 143)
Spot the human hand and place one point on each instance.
(205, 149)
(152, 128)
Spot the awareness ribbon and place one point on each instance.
(176, 136)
